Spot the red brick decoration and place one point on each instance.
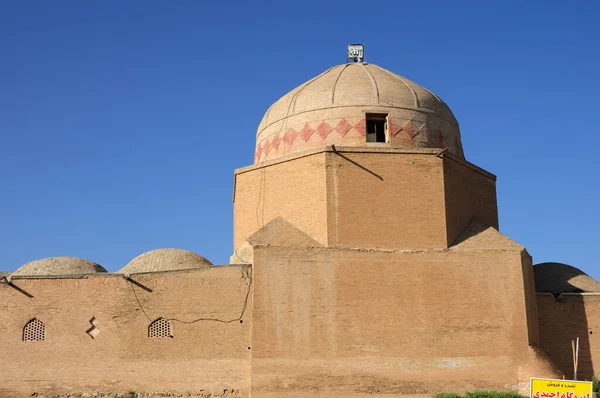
(393, 127)
(429, 138)
(423, 131)
(290, 136)
(324, 129)
(343, 127)
(306, 132)
(409, 129)
(275, 143)
(361, 127)
(258, 153)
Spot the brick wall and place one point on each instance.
(372, 197)
(202, 356)
(294, 190)
(469, 192)
(351, 321)
(564, 319)
(385, 200)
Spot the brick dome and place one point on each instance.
(337, 106)
(58, 266)
(165, 260)
(557, 278)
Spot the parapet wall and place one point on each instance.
(208, 313)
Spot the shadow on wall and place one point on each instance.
(557, 278)
(357, 164)
(563, 315)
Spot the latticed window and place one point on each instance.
(160, 328)
(34, 330)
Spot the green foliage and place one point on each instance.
(481, 394)
(595, 384)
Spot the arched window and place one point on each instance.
(160, 328)
(34, 330)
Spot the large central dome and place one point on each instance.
(344, 106)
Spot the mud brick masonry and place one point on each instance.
(367, 259)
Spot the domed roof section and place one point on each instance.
(58, 266)
(165, 260)
(332, 108)
(557, 278)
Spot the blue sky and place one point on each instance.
(121, 122)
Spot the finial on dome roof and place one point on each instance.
(356, 53)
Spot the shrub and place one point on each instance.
(595, 384)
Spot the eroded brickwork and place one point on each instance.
(349, 320)
(208, 350)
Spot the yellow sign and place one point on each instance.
(550, 388)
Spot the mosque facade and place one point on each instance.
(367, 260)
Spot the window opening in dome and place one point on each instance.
(160, 328)
(376, 127)
(34, 330)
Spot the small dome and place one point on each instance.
(165, 260)
(557, 278)
(333, 108)
(58, 266)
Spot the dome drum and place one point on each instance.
(405, 128)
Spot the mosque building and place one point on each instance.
(367, 260)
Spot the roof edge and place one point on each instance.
(364, 149)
